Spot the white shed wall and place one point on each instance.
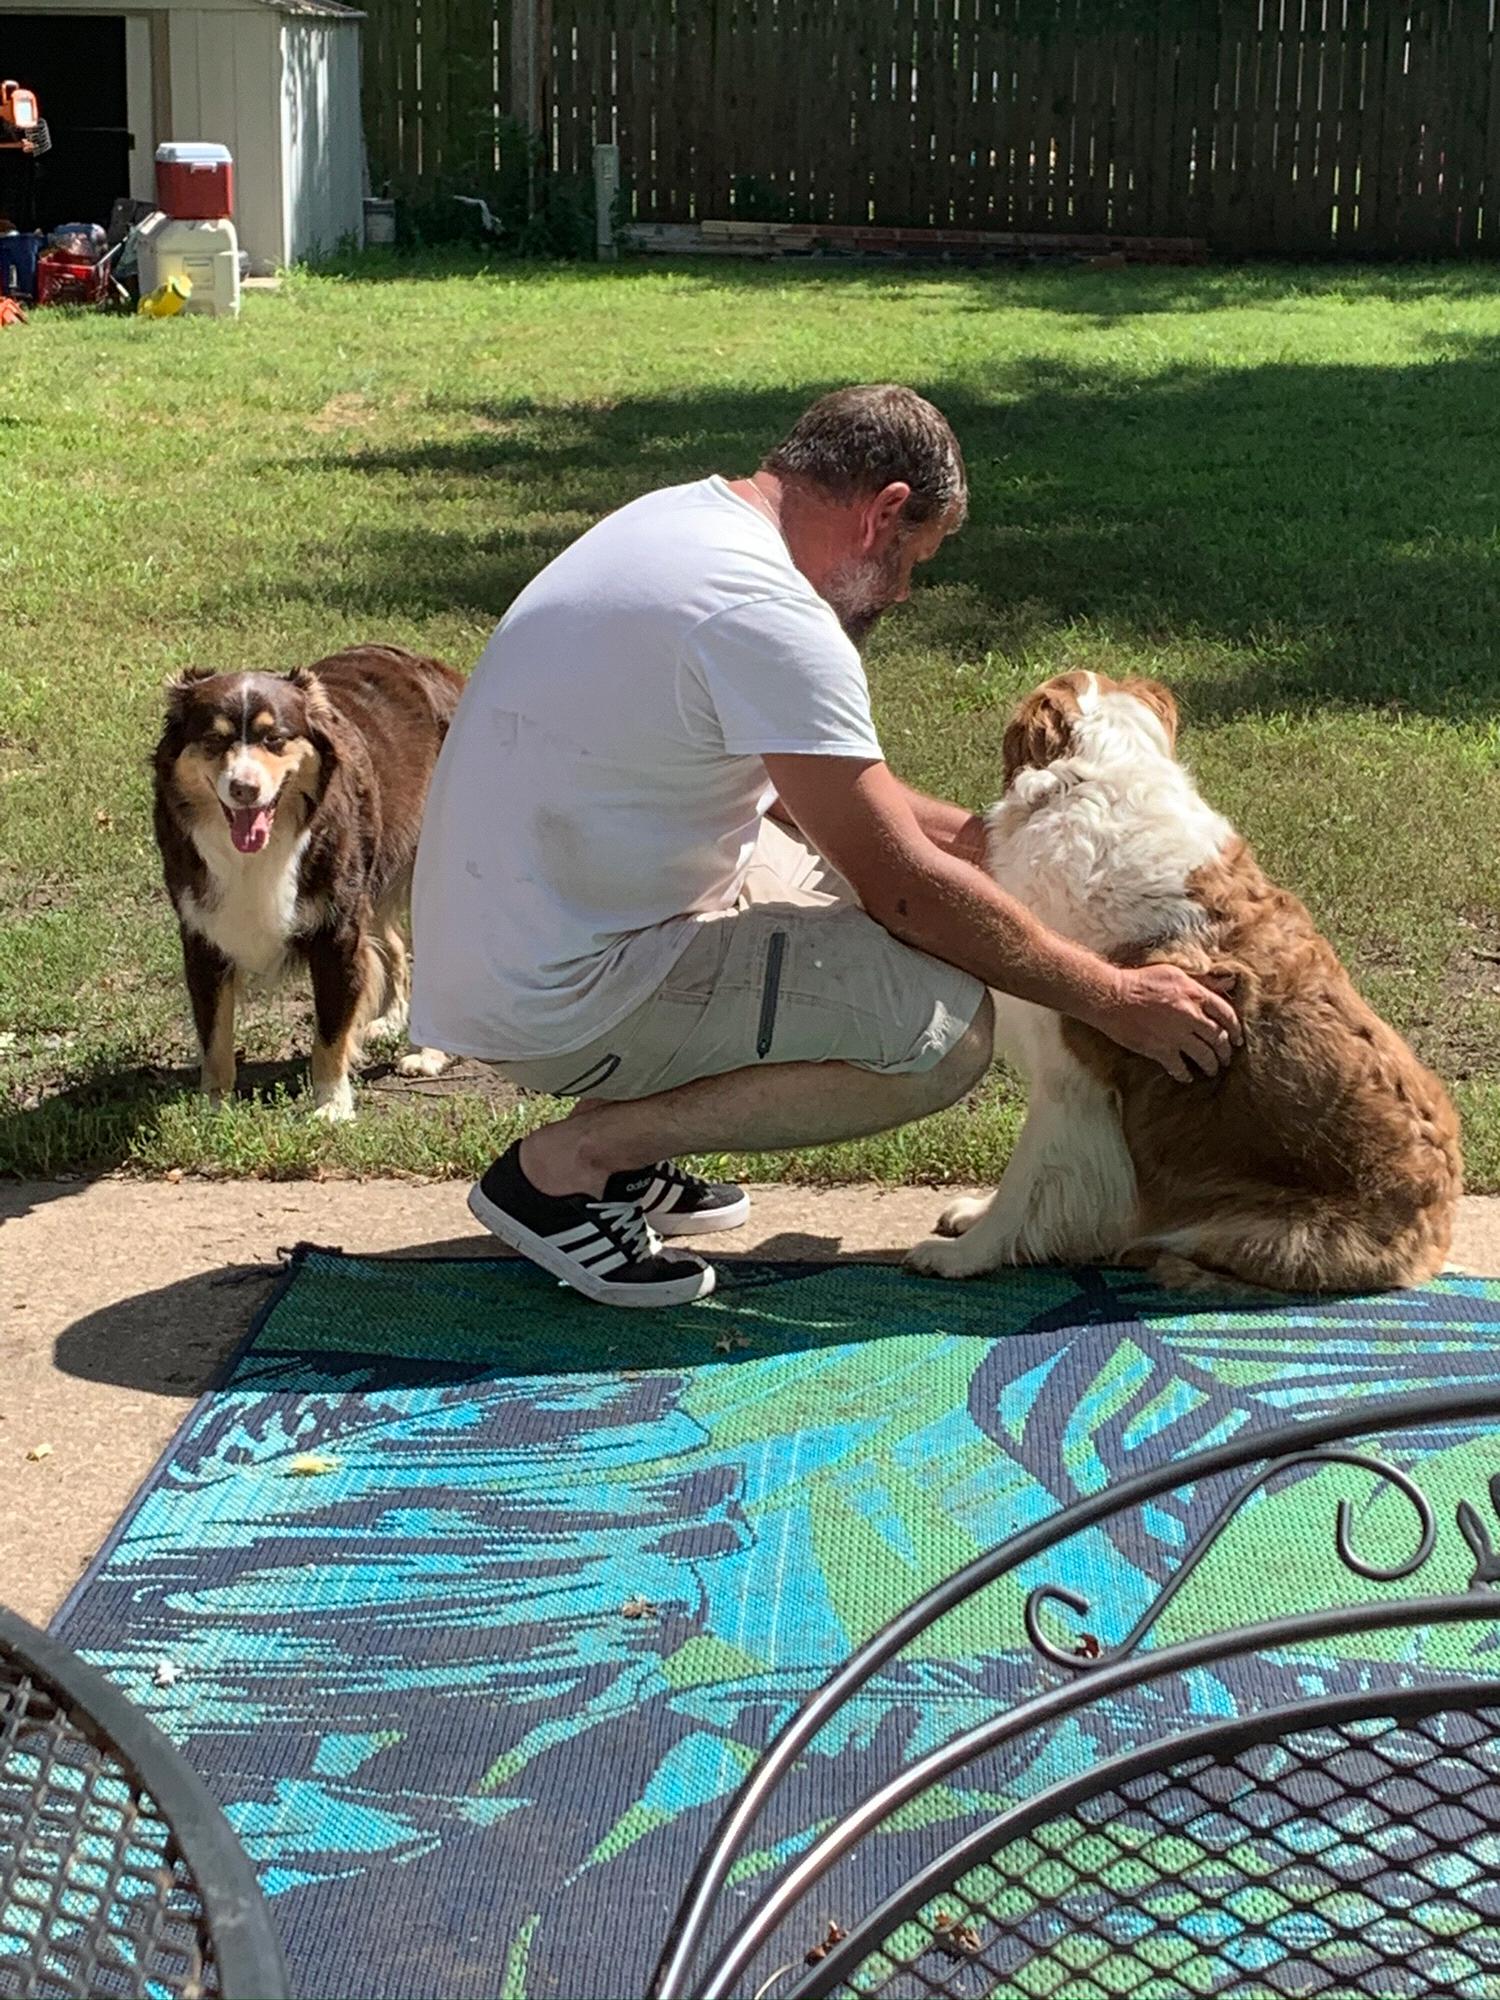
(226, 87)
(322, 144)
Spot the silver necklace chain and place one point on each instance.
(766, 508)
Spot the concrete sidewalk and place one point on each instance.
(120, 1299)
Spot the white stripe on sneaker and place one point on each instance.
(591, 1254)
(578, 1233)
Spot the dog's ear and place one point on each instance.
(321, 723)
(1161, 701)
(1041, 730)
(180, 690)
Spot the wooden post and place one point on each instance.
(606, 187)
(525, 98)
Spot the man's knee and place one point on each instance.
(971, 1055)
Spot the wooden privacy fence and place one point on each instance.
(1296, 127)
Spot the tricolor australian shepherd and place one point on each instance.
(287, 814)
(1325, 1158)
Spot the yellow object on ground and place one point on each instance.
(167, 299)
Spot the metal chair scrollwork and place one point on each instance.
(1344, 1844)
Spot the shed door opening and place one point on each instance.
(76, 65)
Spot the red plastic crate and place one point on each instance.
(61, 282)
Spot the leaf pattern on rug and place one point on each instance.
(456, 1757)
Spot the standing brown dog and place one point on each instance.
(287, 814)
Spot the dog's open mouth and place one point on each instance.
(250, 826)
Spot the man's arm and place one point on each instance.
(953, 828)
(861, 819)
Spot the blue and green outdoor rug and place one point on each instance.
(473, 1695)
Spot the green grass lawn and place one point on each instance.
(1277, 489)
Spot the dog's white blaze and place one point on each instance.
(1121, 718)
(255, 912)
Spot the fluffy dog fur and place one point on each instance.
(287, 814)
(1325, 1158)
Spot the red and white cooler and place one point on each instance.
(194, 180)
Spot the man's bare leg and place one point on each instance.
(748, 1111)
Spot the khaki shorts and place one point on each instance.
(794, 973)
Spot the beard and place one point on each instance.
(859, 593)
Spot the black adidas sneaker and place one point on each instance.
(605, 1249)
(676, 1203)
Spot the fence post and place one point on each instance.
(606, 187)
(525, 97)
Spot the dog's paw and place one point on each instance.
(388, 1028)
(962, 1214)
(335, 1105)
(941, 1257)
(423, 1062)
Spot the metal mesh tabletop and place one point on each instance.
(1359, 1857)
(118, 1874)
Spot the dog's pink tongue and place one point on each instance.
(250, 829)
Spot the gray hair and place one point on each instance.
(854, 442)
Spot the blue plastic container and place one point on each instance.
(18, 255)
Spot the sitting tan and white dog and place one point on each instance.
(1325, 1158)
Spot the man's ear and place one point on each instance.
(883, 513)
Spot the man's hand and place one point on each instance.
(1176, 1019)
(863, 821)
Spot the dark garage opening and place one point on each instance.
(76, 65)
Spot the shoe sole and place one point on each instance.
(682, 1291)
(735, 1216)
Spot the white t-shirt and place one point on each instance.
(602, 786)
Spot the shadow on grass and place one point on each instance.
(1040, 284)
(104, 1118)
(1332, 527)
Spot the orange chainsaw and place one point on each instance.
(23, 129)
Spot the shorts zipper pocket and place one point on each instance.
(593, 1076)
(770, 994)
